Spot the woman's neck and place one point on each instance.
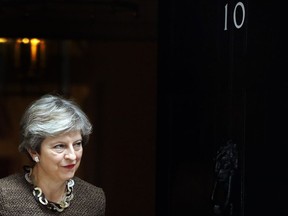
(53, 190)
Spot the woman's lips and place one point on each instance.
(70, 166)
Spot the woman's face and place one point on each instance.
(60, 156)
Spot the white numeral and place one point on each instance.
(239, 5)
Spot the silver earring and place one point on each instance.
(36, 159)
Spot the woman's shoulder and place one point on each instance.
(14, 187)
(86, 186)
(89, 197)
(12, 179)
(14, 184)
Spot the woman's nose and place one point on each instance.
(70, 154)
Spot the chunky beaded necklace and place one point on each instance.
(40, 197)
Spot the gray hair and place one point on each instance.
(50, 116)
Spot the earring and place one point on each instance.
(36, 159)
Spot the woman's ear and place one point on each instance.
(33, 154)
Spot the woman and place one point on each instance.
(53, 131)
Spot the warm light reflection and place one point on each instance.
(3, 40)
(17, 55)
(42, 54)
(37, 52)
(34, 41)
(25, 40)
(33, 49)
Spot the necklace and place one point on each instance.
(40, 197)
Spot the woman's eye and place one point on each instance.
(78, 145)
(59, 146)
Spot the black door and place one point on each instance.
(222, 79)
